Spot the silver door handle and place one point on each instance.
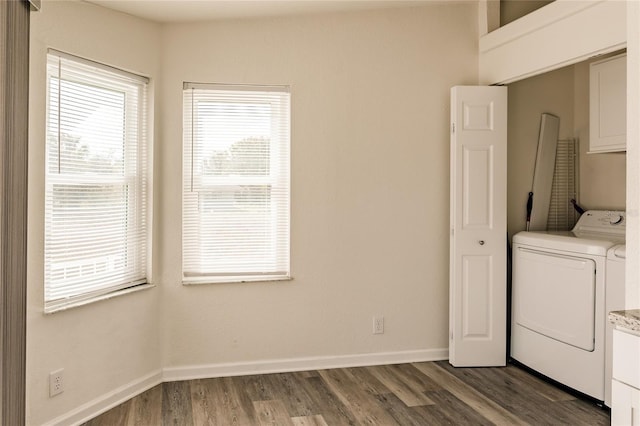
(481, 242)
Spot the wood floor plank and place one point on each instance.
(545, 389)
(220, 402)
(146, 408)
(476, 400)
(257, 387)
(203, 403)
(272, 413)
(306, 374)
(450, 410)
(333, 410)
(409, 391)
(367, 381)
(118, 415)
(363, 406)
(582, 412)
(288, 389)
(407, 416)
(176, 404)
(511, 384)
(241, 407)
(316, 420)
(414, 378)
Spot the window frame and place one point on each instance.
(277, 180)
(133, 181)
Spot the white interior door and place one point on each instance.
(478, 253)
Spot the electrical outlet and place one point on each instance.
(56, 382)
(378, 325)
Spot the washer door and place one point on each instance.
(554, 295)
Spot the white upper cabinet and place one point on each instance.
(608, 105)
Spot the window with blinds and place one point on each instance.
(236, 183)
(95, 197)
(562, 215)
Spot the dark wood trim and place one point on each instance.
(14, 125)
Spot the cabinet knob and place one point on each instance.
(481, 242)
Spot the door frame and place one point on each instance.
(14, 113)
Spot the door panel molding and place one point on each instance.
(477, 192)
(476, 297)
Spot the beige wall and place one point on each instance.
(370, 166)
(510, 10)
(602, 176)
(528, 99)
(111, 343)
(565, 93)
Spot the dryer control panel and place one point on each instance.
(601, 224)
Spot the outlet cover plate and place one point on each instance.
(378, 325)
(56, 382)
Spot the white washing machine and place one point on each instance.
(559, 316)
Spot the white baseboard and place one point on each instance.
(203, 371)
(107, 401)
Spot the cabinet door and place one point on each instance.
(608, 105)
(625, 405)
(626, 358)
(478, 226)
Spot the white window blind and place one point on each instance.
(95, 197)
(236, 183)
(562, 215)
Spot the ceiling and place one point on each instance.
(166, 11)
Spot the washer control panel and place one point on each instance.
(601, 222)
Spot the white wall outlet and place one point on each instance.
(56, 382)
(378, 325)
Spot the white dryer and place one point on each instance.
(559, 316)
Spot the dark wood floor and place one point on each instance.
(428, 393)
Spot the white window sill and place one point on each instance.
(107, 296)
(232, 280)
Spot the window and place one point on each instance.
(95, 197)
(236, 183)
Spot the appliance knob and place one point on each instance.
(616, 220)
